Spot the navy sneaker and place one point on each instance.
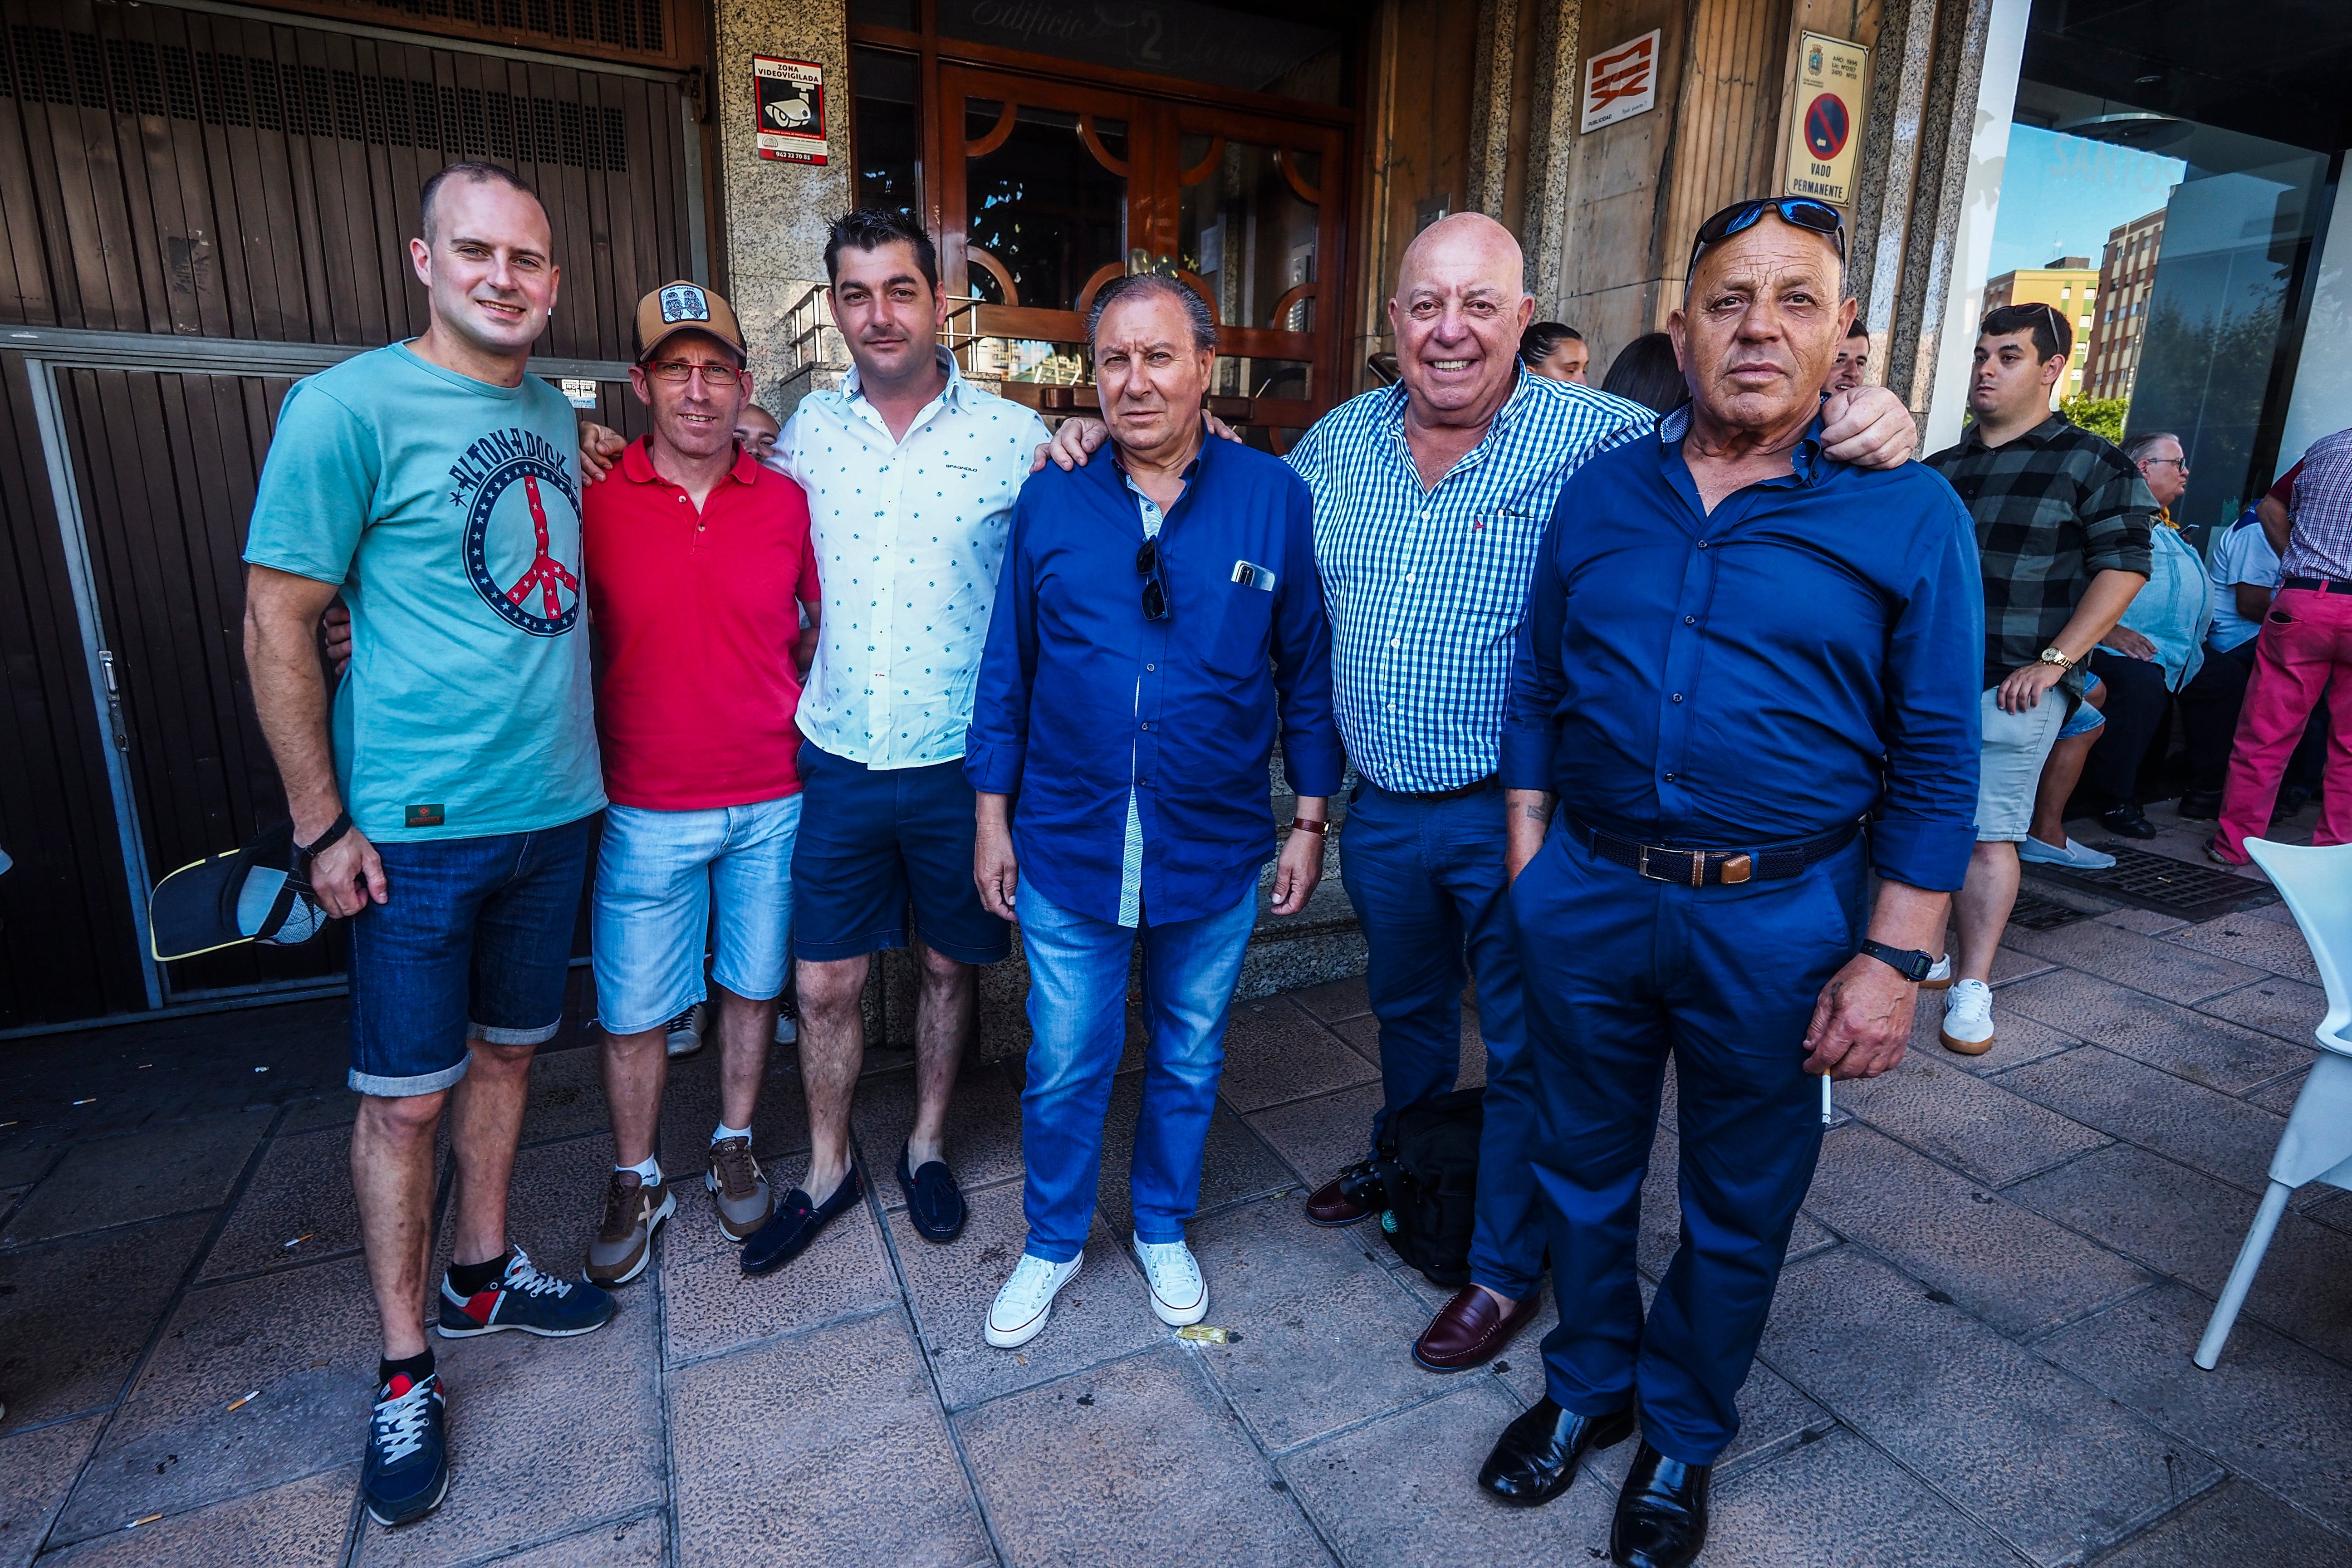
(525, 1299)
(407, 1473)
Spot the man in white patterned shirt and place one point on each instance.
(1431, 498)
(911, 474)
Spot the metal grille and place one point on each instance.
(2169, 886)
(132, 77)
(2035, 912)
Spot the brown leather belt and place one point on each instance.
(1710, 867)
(1475, 786)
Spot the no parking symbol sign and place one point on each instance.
(1824, 145)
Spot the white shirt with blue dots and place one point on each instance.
(909, 538)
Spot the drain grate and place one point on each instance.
(2035, 912)
(2153, 881)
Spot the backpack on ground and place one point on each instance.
(1429, 1161)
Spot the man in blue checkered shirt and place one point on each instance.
(1431, 498)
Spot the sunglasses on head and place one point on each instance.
(1802, 212)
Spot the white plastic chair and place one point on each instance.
(2316, 1146)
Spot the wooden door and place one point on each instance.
(1053, 188)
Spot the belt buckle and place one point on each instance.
(1695, 876)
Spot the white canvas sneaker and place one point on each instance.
(1179, 1294)
(1026, 1301)
(1968, 1018)
(1940, 976)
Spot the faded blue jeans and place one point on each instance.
(1077, 1017)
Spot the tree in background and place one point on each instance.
(2099, 415)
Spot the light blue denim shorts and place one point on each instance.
(657, 879)
(2085, 718)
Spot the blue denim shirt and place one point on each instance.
(1807, 654)
(1081, 701)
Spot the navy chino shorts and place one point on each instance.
(874, 840)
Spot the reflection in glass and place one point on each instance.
(1046, 207)
(1246, 227)
(887, 132)
(1227, 48)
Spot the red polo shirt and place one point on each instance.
(696, 613)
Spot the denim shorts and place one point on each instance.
(2015, 747)
(474, 944)
(876, 839)
(657, 878)
(2085, 718)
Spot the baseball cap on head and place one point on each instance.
(681, 306)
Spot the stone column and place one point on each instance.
(776, 214)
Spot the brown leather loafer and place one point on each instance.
(1356, 1193)
(1471, 1330)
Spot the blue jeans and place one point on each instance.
(473, 943)
(1620, 971)
(1077, 1015)
(1428, 884)
(657, 877)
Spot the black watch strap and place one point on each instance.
(335, 830)
(1907, 962)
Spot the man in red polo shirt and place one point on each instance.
(697, 559)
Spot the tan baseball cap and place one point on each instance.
(680, 307)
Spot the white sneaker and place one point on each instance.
(1968, 1018)
(2075, 856)
(1027, 1299)
(1179, 1294)
(787, 1028)
(683, 1034)
(1939, 976)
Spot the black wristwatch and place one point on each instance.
(1908, 963)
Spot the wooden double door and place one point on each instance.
(1052, 188)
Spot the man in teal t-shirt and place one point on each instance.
(446, 807)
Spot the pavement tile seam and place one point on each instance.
(2115, 1140)
(798, 1330)
(2206, 1005)
(18, 1249)
(906, 1309)
(575, 1533)
(276, 1270)
(1198, 1361)
(2244, 1093)
(1440, 1389)
(1804, 1437)
(1972, 1177)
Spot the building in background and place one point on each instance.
(2127, 279)
(2070, 286)
(206, 200)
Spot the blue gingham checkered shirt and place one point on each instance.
(1425, 588)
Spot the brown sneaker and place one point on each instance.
(738, 1188)
(625, 1242)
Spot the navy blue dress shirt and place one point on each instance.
(1804, 655)
(1082, 702)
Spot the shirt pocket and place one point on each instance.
(1236, 642)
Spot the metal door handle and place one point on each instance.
(114, 700)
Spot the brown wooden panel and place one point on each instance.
(66, 943)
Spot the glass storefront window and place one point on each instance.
(888, 129)
(1047, 204)
(1234, 48)
(1246, 219)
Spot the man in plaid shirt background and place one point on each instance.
(2063, 530)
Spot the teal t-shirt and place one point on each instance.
(449, 510)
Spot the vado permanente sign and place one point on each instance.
(1620, 83)
(1825, 133)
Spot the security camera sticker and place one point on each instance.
(788, 97)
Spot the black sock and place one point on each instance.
(415, 1368)
(471, 1279)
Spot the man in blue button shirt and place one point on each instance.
(1736, 649)
(1157, 616)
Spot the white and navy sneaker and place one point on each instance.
(1019, 1312)
(526, 1298)
(682, 1036)
(1940, 976)
(1179, 1295)
(407, 1472)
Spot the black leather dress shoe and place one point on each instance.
(797, 1223)
(1536, 1455)
(934, 1201)
(2129, 820)
(2196, 805)
(1660, 1514)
